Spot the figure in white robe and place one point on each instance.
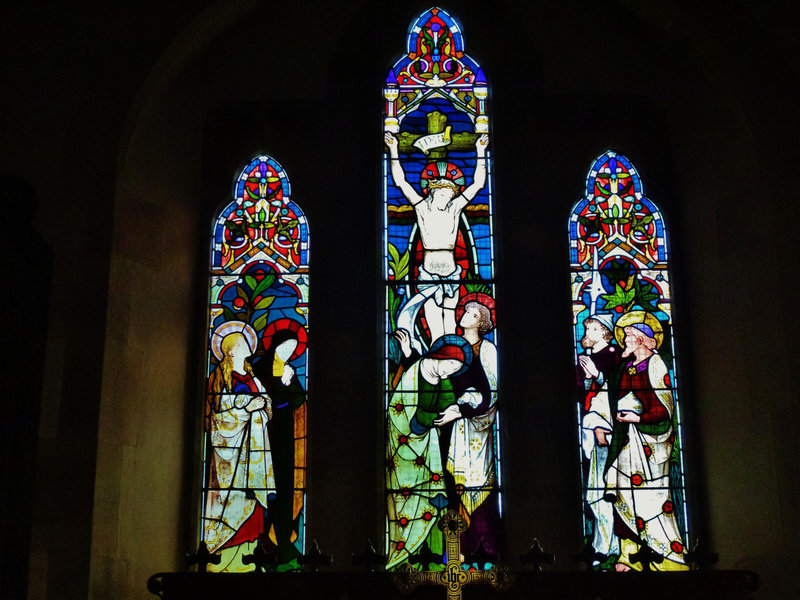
(471, 466)
(471, 457)
(600, 358)
(638, 476)
(240, 473)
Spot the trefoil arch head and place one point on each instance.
(615, 216)
(626, 371)
(435, 65)
(262, 222)
(255, 413)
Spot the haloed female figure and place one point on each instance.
(239, 476)
(415, 477)
(287, 436)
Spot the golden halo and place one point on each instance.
(226, 329)
(634, 317)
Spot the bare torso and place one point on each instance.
(438, 227)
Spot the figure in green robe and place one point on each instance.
(415, 475)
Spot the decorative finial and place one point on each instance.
(202, 558)
(369, 558)
(589, 556)
(700, 558)
(647, 557)
(425, 557)
(536, 556)
(480, 556)
(260, 559)
(314, 558)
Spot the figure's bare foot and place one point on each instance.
(621, 568)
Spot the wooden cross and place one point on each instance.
(437, 123)
(454, 577)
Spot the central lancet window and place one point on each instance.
(629, 416)
(254, 448)
(441, 371)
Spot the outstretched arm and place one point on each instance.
(479, 180)
(397, 171)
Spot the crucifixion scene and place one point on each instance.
(441, 374)
(384, 300)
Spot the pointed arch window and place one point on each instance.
(629, 416)
(254, 443)
(440, 397)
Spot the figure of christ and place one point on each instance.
(240, 465)
(415, 464)
(637, 467)
(601, 358)
(438, 210)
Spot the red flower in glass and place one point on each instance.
(637, 479)
(668, 507)
(676, 547)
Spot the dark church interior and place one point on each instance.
(123, 128)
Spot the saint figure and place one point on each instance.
(638, 464)
(471, 461)
(287, 436)
(414, 461)
(601, 358)
(239, 478)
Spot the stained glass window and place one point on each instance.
(254, 443)
(442, 418)
(629, 416)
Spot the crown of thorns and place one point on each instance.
(442, 174)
